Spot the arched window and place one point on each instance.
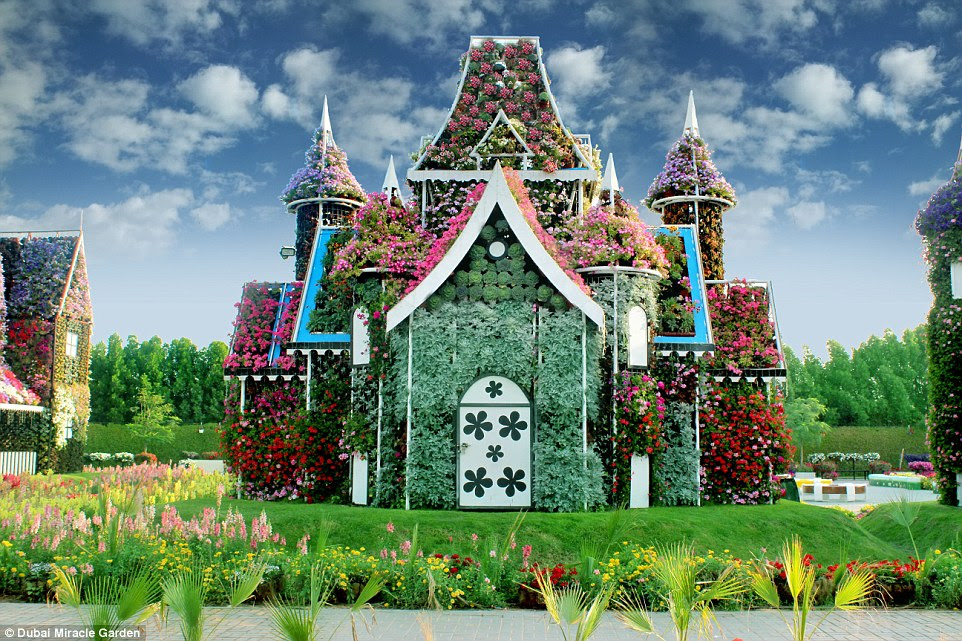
(637, 338)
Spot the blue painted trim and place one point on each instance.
(697, 280)
(312, 285)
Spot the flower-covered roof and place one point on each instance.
(325, 173)
(503, 75)
(678, 176)
(48, 276)
(944, 209)
(12, 391)
(265, 321)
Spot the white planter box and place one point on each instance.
(358, 480)
(640, 482)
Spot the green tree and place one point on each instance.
(183, 385)
(153, 416)
(803, 417)
(211, 375)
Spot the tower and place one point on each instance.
(691, 191)
(940, 225)
(322, 195)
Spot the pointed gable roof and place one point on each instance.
(390, 179)
(48, 275)
(609, 182)
(497, 194)
(502, 73)
(691, 119)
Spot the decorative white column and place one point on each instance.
(958, 488)
(640, 487)
(359, 480)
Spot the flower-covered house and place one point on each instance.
(513, 336)
(47, 320)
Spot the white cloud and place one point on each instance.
(599, 15)
(768, 21)
(927, 187)
(371, 116)
(942, 124)
(820, 91)
(807, 214)
(748, 224)
(910, 71)
(143, 224)
(417, 21)
(224, 92)
(211, 216)
(144, 22)
(20, 93)
(932, 15)
(579, 75)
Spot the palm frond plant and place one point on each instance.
(904, 512)
(299, 623)
(852, 588)
(569, 607)
(185, 593)
(106, 603)
(676, 574)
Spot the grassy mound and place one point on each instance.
(742, 530)
(936, 527)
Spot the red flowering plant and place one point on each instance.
(744, 442)
(604, 237)
(29, 352)
(281, 451)
(639, 410)
(509, 78)
(258, 326)
(743, 331)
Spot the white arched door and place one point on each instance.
(494, 443)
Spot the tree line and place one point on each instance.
(164, 381)
(882, 382)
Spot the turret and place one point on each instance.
(322, 195)
(690, 190)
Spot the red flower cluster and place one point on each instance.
(639, 410)
(281, 451)
(744, 442)
(559, 575)
(29, 352)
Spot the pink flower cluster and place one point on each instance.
(603, 237)
(743, 331)
(254, 331)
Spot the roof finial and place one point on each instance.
(326, 133)
(691, 120)
(609, 182)
(390, 179)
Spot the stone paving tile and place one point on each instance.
(526, 625)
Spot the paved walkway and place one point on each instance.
(875, 495)
(532, 625)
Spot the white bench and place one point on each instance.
(840, 491)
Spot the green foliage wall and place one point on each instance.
(453, 345)
(675, 469)
(30, 432)
(120, 438)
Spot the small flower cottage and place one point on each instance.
(512, 336)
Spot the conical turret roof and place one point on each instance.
(688, 164)
(325, 172)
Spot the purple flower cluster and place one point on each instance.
(41, 276)
(678, 176)
(325, 174)
(944, 209)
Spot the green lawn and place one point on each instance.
(936, 527)
(743, 530)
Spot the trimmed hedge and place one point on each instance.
(887, 441)
(118, 438)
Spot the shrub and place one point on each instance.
(879, 467)
(825, 469)
(911, 458)
(145, 457)
(922, 467)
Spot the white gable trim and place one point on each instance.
(496, 193)
(502, 118)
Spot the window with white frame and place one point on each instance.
(73, 341)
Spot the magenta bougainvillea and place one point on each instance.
(744, 334)
(604, 237)
(254, 331)
(455, 226)
(503, 77)
(744, 442)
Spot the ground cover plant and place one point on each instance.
(109, 525)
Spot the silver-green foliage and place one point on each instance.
(676, 467)
(632, 290)
(453, 345)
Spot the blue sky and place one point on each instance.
(175, 124)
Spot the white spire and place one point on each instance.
(390, 179)
(609, 182)
(326, 133)
(691, 120)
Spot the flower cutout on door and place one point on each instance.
(494, 453)
(512, 481)
(478, 482)
(494, 389)
(476, 424)
(513, 426)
